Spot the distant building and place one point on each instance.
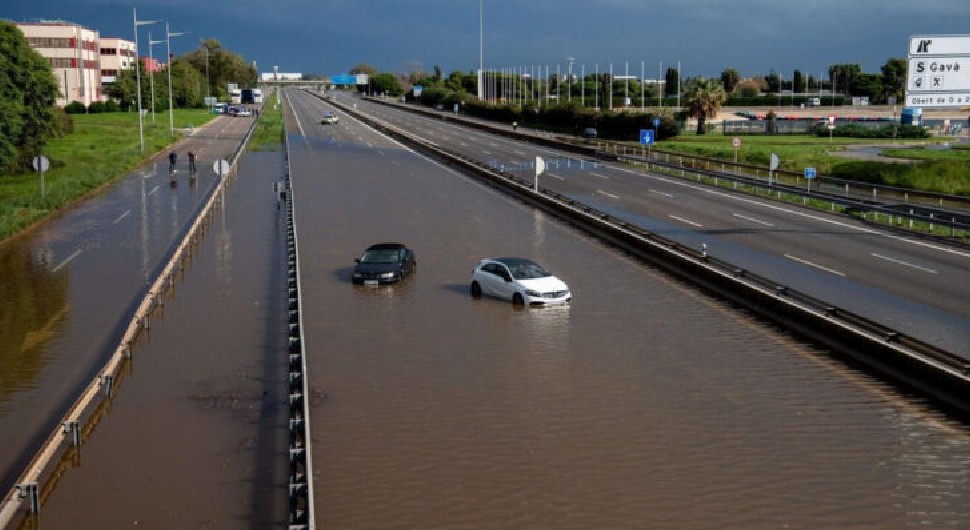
(273, 76)
(75, 56)
(116, 55)
(152, 64)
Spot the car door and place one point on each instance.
(504, 285)
(489, 279)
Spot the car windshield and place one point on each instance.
(527, 270)
(380, 255)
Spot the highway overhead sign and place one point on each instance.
(938, 73)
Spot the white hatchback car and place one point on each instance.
(517, 279)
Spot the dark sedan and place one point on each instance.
(384, 263)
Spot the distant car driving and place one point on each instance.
(329, 118)
(384, 263)
(520, 280)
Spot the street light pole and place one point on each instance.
(151, 72)
(141, 126)
(481, 49)
(168, 48)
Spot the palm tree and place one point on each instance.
(704, 98)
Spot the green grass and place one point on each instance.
(269, 131)
(958, 153)
(942, 171)
(102, 148)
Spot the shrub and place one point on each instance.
(111, 106)
(75, 107)
(96, 107)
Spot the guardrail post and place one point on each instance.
(31, 493)
(73, 429)
(107, 381)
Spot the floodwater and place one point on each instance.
(195, 433)
(642, 404)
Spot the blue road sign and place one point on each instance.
(343, 79)
(646, 136)
(810, 172)
(656, 122)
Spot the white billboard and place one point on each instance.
(939, 71)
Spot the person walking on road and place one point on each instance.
(172, 159)
(191, 161)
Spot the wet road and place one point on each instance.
(642, 404)
(67, 287)
(919, 287)
(196, 435)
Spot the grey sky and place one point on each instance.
(706, 36)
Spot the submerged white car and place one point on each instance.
(522, 281)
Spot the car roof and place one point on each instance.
(510, 261)
(386, 246)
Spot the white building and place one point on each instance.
(280, 76)
(75, 56)
(116, 55)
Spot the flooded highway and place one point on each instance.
(644, 403)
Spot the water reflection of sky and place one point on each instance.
(937, 327)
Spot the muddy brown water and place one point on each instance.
(642, 404)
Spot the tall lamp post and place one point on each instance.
(168, 48)
(141, 126)
(151, 70)
(481, 50)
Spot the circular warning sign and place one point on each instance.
(736, 142)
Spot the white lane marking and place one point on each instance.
(681, 219)
(520, 153)
(796, 213)
(901, 262)
(816, 265)
(752, 219)
(555, 176)
(120, 217)
(297, 118)
(153, 190)
(66, 261)
(608, 194)
(600, 175)
(487, 153)
(665, 194)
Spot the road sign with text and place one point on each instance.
(939, 71)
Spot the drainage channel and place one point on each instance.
(301, 463)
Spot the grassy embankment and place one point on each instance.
(943, 171)
(102, 148)
(268, 135)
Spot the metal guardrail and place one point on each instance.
(68, 430)
(933, 206)
(301, 462)
(937, 372)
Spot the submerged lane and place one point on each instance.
(642, 404)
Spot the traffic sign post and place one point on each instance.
(41, 164)
(809, 175)
(646, 138)
(736, 143)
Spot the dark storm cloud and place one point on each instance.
(706, 36)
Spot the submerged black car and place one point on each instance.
(384, 263)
